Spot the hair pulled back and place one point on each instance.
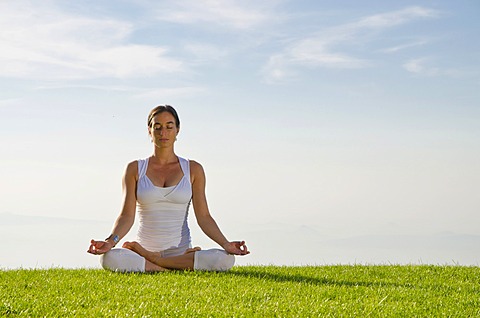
(160, 109)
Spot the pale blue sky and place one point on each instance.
(352, 118)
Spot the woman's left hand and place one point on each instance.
(236, 248)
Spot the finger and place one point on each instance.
(242, 245)
(90, 249)
(95, 243)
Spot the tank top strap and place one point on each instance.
(185, 165)
(142, 167)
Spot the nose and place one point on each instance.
(159, 131)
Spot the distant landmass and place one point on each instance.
(39, 242)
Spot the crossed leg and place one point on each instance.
(156, 263)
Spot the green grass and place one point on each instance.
(251, 291)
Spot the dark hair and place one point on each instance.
(160, 109)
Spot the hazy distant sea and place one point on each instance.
(44, 242)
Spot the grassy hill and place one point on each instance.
(249, 291)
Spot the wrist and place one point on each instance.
(112, 239)
(224, 244)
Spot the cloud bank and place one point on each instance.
(44, 42)
(334, 47)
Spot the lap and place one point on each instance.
(125, 260)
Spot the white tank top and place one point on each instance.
(163, 212)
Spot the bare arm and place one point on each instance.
(125, 220)
(204, 218)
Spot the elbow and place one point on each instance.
(204, 221)
(128, 218)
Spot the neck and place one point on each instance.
(164, 155)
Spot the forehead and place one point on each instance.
(163, 118)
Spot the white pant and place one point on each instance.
(125, 260)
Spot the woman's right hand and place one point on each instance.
(99, 247)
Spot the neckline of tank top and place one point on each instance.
(164, 188)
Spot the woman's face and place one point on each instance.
(163, 129)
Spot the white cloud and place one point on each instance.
(322, 49)
(415, 66)
(422, 66)
(316, 52)
(394, 18)
(243, 15)
(166, 93)
(401, 47)
(205, 52)
(11, 102)
(43, 42)
(277, 69)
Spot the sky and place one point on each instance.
(330, 132)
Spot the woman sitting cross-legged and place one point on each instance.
(162, 186)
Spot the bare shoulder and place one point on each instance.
(132, 169)
(196, 170)
(194, 165)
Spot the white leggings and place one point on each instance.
(125, 260)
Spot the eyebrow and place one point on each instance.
(167, 123)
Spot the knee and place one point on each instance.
(122, 260)
(111, 260)
(213, 260)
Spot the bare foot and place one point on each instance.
(134, 246)
(150, 266)
(193, 249)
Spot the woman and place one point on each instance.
(163, 185)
